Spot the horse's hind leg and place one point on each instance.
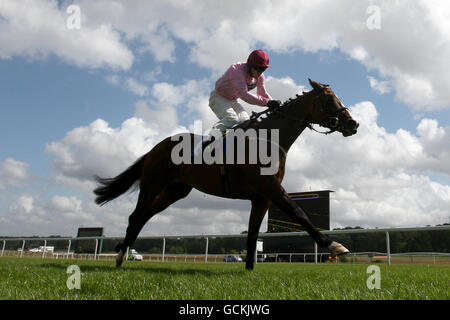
(280, 197)
(145, 211)
(145, 200)
(276, 193)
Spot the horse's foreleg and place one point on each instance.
(259, 209)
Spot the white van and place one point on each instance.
(135, 256)
(232, 258)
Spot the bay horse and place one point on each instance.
(162, 182)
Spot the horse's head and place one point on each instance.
(328, 110)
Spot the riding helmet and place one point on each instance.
(258, 58)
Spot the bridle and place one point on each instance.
(331, 121)
(327, 103)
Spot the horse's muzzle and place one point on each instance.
(350, 128)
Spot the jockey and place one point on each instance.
(236, 83)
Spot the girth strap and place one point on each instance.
(224, 176)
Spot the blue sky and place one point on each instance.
(42, 100)
(136, 78)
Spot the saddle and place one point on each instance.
(200, 148)
(207, 140)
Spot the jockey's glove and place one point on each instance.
(273, 104)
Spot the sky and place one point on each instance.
(87, 87)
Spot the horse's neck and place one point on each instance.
(289, 124)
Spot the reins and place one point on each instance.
(308, 124)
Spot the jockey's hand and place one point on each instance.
(273, 104)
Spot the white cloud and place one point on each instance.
(171, 103)
(169, 94)
(164, 117)
(24, 215)
(13, 173)
(279, 88)
(82, 152)
(380, 87)
(38, 28)
(133, 85)
(24, 204)
(415, 65)
(215, 51)
(67, 204)
(153, 75)
(33, 215)
(136, 87)
(112, 79)
(409, 50)
(380, 178)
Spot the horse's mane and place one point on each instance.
(257, 119)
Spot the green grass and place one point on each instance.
(29, 278)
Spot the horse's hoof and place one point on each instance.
(337, 249)
(119, 259)
(118, 247)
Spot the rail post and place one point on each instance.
(206, 251)
(388, 248)
(68, 249)
(164, 249)
(96, 246)
(315, 252)
(3, 248)
(23, 246)
(45, 249)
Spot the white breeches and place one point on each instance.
(229, 112)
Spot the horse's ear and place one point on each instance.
(314, 84)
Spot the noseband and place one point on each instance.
(331, 121)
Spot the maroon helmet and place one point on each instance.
(258, 58)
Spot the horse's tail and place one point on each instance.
(111, 188)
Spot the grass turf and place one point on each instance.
(30, 278)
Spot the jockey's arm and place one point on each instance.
(260, 99)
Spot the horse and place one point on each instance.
(163, 182)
